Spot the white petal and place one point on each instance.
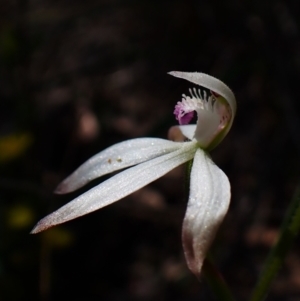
(210, 83)
(214, 85)
(206, 129)
(116, 157)
(208, 203)
(119, 186)
(182, 132)
(188, 130)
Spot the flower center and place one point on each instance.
(213, 113)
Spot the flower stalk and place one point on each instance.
(216, 281)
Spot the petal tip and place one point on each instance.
(59, 189)
(194, 258)
(63, 187)
(174, 73)
(46, 222)
(40, 226)
(34, 231)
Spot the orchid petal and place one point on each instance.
(119, 186)
(116, 157)
(188, 130)
(210, 83)
(208, 203)
(219, 89)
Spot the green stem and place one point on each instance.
(289, 230)
(215, 280)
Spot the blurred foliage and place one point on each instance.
(13, 146)
(9, 44)
(58, 238)
(20, 216)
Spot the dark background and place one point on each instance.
(78, 76)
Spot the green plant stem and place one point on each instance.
(215, 280)
(289, 230)
(211, 274)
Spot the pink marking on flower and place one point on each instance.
(214, 94)
(182, 115)
(225, 115)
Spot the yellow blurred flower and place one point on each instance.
(14, 145)
(20, 216)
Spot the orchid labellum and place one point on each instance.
(151, 158)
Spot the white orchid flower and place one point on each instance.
(209, 187)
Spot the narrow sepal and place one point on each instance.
(114, 158)
(210, 83)
(118, 186)
(208, 203)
